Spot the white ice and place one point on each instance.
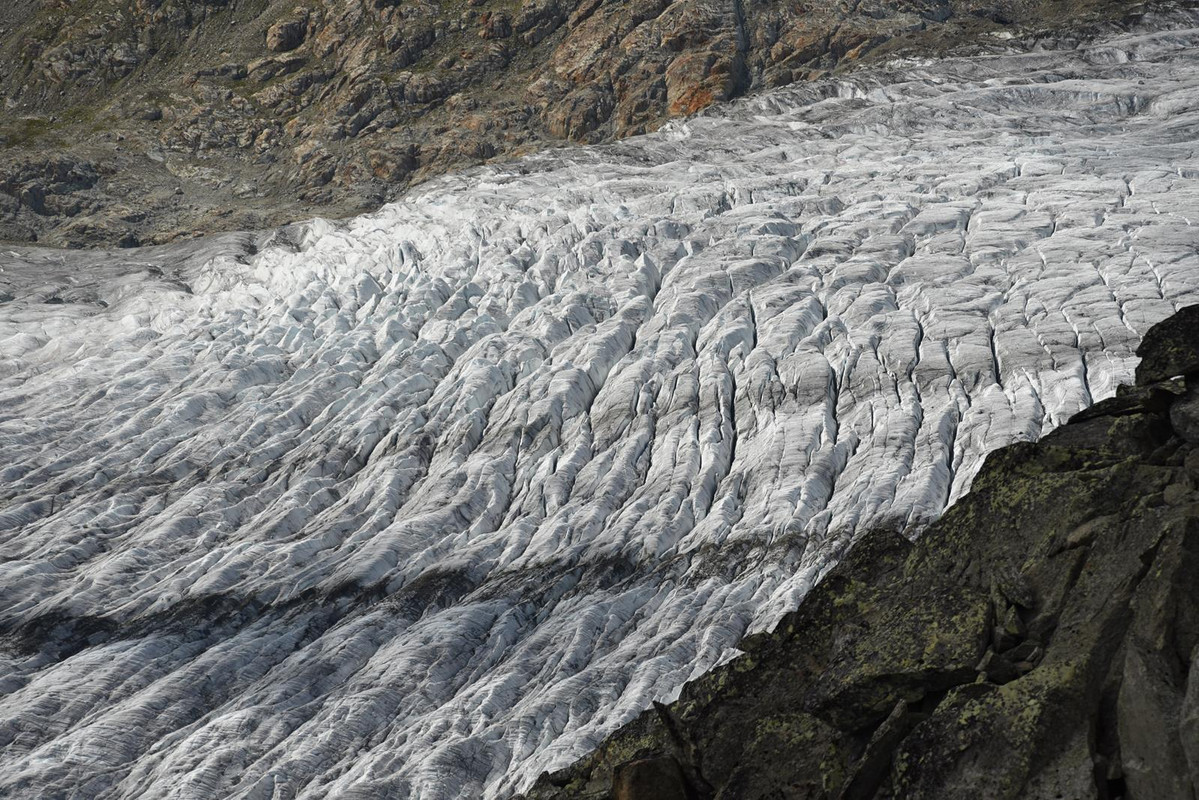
(422, 504)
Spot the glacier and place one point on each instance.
(423, 503)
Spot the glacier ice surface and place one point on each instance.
(426, 502)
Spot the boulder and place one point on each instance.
(650, 779)
(1170, 348)
(285, 36)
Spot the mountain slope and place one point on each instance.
(435, 499)
(140, 122)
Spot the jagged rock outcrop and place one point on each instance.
(1037, 642)
(212, 115)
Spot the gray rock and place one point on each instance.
(1154, 761)
(1188, 720)
(650, 779)
(1169, 350)
(1184, 416)
(285, 36)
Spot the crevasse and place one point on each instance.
(426, 502)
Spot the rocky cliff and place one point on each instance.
(139, 122)
(1037, 642)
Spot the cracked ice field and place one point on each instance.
(423, 503)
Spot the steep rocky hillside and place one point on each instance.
(1039, 641)
(137, 121)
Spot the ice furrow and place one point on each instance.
(422, 503)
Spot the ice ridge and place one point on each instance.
(426, 502)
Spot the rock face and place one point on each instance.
(205, 115)
(1039, 641)
(285, 36)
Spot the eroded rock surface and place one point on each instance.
(198, 116)
(428, 502)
